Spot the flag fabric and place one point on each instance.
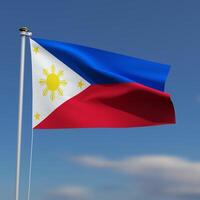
(81, 87)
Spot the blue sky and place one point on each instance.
(152, 162)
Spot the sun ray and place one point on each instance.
(45, 91)
(52, 96)
(63, 82)
(60, 91)
(60, 73)
(53, 69)
(42, 81)
(45, 72)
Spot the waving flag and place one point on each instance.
(80, 87)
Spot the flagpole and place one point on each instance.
(24, 32)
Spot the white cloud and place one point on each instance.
(163, 175)
(71, 192)
(93, 161)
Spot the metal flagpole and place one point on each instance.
(24, 32)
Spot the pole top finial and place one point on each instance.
(25, 31)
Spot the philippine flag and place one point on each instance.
(80, 87)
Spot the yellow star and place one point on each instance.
(37, 116)
(35, 50)
(81, 84)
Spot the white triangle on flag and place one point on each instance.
(53, 82)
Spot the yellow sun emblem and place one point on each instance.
(52, 82)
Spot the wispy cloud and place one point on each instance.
(70, 192)
(169, 177)
(198, 98)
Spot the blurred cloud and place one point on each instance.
(70, 192)
(198, 98)
(157, 176)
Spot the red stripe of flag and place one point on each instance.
(113, 105)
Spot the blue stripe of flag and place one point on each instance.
(103, 67)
